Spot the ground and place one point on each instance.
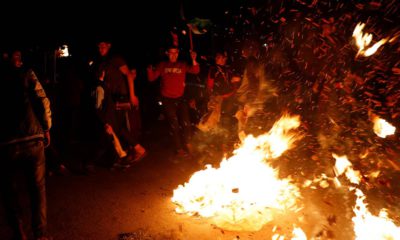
(136, 203)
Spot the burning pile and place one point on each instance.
(245, 192)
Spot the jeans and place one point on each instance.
(27, 158)
(177, 114)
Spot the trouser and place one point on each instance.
(26, 157)
(177, 114)
(127, 126)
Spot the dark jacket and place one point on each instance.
(24, 106)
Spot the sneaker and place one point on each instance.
(121, 163)
(140, 156)
(63, 171)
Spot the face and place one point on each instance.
(173, 54)
(220, 59)
(16, 58)
(104, 48)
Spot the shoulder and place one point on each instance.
(117, 60)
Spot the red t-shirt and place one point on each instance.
(173, 76)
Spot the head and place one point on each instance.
(104, 48)
(173, 53)
(220, 58)
(16, 58)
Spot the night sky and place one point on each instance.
(138, 25)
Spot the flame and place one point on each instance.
(297, 234)
(245, 191)
(382, 128)
(343, 165)
(364, 40)
(379, 227)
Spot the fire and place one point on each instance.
(364, 40)
(245, 191)
(343, 165)
(379, 227)
(382, 128)
(297, 234)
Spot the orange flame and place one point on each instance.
(364, 40)
(382, 128)
(245, 191)
(379, 227)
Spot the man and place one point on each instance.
(119, 104)
(173, 77)
(24, 128)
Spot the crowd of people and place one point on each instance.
(240, 95)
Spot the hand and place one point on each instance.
(192, 104)
(102, 75)
(135, 101)
(133, 72)
(108, 129)
(193, 55)
(46, 139)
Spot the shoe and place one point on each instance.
(63, 171)
(119, 163)
(140, 156)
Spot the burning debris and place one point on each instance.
(245, 192)
(343, 97)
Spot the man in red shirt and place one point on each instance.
(173, 77)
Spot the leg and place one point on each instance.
(185, 123)
(35, 174)
(9, 190)
(170, 108)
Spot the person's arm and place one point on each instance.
(194, 68)
(44, 111)
(153, 74)
(131, 88)
(210, 80)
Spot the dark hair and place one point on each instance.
(171, 46)
(103, 38)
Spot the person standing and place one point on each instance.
(24, 134)
(118, 104)
(221, 85)
(173, 78)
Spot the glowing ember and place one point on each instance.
(343, 165)
(245, 191)
(364, 40)
(382, 128)
(379, 227)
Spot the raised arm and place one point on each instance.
(130, 76)
(194, 68)
(153, 73)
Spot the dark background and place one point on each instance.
(135, 26)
